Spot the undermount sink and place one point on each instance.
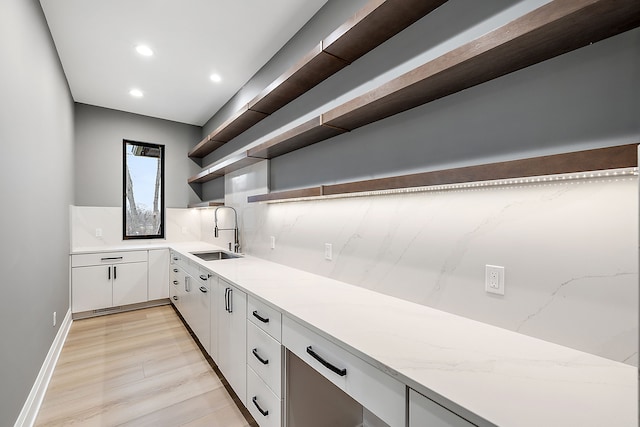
(216, 255)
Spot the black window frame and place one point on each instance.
(161, 234)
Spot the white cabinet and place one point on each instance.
(376, 391)
(91, 288)
(198, 308)
(424, 412)
(176, 282)
(102, 280)
(232, 336)
(265, 363)
(129, 283)
(158, 274)
(263, 404)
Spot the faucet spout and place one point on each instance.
(236, 233)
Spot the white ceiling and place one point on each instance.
(192, 39)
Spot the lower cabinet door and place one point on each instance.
(232, 338)
(90, 288)
(424, 412)
(129, 283)
(265, 407)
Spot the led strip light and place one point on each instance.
(546, 179)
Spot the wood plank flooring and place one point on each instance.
(139, 368)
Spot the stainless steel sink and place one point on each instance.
(216, 255)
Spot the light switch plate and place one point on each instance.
(494, 279)
(328, 255)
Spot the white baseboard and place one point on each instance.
(31, 407)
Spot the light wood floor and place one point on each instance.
(139, 368)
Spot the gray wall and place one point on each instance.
(36, 188)
(584, 99)
(99, 133)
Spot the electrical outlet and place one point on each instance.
(54, 318)
(272, 240)
(494, 279)
(98, 232)
(328, 255)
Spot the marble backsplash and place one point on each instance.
(182, 225)
(570, 252)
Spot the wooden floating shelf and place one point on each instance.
(623, 156)
(295, 138)
(234, 126)
(223, 167)
(375, 23)
(553, 29)
(210, 203)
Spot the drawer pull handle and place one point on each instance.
(175, 298)
(203, 277)
(175, 282)
(175, 258)
(262, 411)
(260, 318)
(112, 258)
(175, 270)
(263, 361)
(203, 289)
(342, 372)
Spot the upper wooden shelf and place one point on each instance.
(553, 29)
(618, 157)
(375, 23)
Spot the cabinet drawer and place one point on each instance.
(265, 317)
(264, 406)
(264, 355)
(378, 392)
(106, 258)
(425, 412)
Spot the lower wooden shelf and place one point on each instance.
(617, 157)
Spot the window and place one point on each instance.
(143, 190)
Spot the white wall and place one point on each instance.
(36, 188)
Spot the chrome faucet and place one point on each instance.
(236, 247)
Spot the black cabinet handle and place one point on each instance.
(175, 282)
(175, 270)
(229, 299)
(114, 272)
(175, 258)
(262, 411)
(203, 277)
(342, 372)
(226, 300)
(175, 298)
(109, 273)
(260, 318)
(112, 258)
(203, 289)
(263, 361)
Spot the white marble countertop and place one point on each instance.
(500, 377)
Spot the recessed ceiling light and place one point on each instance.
(144, 50)
(215, 78)
(136, 93)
